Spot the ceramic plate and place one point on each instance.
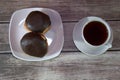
(55, 37)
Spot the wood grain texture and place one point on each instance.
(68, 31)
(70, 10)
(72, 66)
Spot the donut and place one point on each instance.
(38, 21)
(34, 44)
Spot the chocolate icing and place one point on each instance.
(34, 44)
(37, 21)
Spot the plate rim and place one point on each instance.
(40, 59)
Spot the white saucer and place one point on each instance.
(84, 46)
(55, 35)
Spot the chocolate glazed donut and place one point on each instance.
(34, 44)
(37, 21)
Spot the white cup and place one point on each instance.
(83, 45)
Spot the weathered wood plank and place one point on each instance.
(68, 29)
(4, 33)
(70, 10)
(72, 66)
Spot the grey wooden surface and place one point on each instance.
(71, 64)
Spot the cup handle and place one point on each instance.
(109, 45)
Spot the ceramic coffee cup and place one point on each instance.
(92, 36)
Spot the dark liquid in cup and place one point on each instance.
(95, 33)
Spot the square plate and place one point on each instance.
(55, 36)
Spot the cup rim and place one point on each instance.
(98, 19)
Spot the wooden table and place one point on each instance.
(71, 64)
